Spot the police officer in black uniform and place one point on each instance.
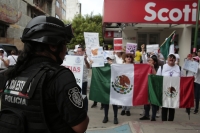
(38, 86)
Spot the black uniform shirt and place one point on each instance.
(63, 103)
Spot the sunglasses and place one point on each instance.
(128, 56)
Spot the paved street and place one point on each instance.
(132, 124)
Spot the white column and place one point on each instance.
(184, 42)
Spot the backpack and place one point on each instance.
(13, 120)
(162, 69)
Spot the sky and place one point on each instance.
(95, 6)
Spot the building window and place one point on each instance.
(63, 12)
(3, 30)
(148, 38)
(57, 17)
(64, 2)
(32, 12)
(57, 4)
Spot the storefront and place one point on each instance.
(150, 21)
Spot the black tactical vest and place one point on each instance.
(25, 92)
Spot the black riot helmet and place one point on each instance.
(44, 31)
(47, 30)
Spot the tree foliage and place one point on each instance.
(87, 23)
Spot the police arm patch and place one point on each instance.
(75, 97)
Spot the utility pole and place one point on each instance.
(196, 28)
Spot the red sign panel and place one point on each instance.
(109, 34)
(150, 11)
(117, 44)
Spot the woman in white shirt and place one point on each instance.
(172, 70)
(12, 59)
(127, 59)
(197, 85)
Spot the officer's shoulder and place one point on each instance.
(57, 69)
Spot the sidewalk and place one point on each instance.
(132, 124)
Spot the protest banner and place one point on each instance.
(131, 48)
(91, 39)
(191, 66)
(97, 57)
(75, 64)
(107, 53)
(117, 44)
(152, 48)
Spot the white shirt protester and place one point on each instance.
(12, 59)
(118, 60)
(170, 71)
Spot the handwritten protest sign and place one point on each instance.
(152, 48)
(191, 66)
(107, 53)
(91, 39)
(97, 57)
(131, 48)
(75, 64)
(117, 44)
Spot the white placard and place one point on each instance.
(152, 48)
(107, 53)
(88, 52)
(91, 39)
(191, 66)
(97, 57)
(75, 64)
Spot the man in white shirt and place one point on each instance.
(86, 66)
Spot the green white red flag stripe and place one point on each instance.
(171, 92)
(129, 84)
(105, 89)
(15, 93)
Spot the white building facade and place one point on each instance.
(73, 7)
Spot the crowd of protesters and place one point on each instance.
(160, 66)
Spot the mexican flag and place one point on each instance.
(120, 84)
(168, 45)
(129, 84)
(171, 92)
(100, 84)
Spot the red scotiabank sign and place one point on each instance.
(150, 11)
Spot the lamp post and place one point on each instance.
(196, 28)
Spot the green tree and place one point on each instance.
(87, 23)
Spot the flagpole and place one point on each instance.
(196, 28)
(168, 37)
